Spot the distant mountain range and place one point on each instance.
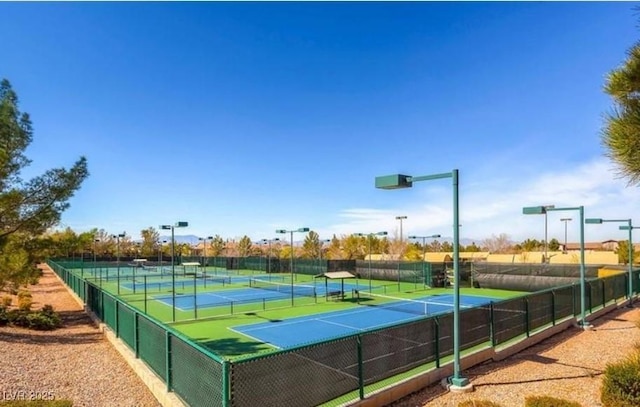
(190, 239)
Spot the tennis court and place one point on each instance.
(260, 290)
(315, 328)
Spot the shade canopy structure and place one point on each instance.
(335, 275)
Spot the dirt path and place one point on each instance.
(568, 365)
(74, 362)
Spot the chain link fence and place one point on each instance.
(345, 369)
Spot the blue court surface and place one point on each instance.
(244, 295)
(222, 298)
(315, 328)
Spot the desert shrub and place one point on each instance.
(45, 319)
(621, 383)
(6, 301)
(478, 403)
(547, 401)
(24, 300)
(4, 316)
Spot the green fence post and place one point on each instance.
(168, 359)
(117, 318)
(437, 344)
(604, 294)
(226, 384)
(136, 335)
(492, 327)
(526, 313)
(590, 299)
(553, 308)
(360, 368)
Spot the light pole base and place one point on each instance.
(585, 325)
(457, 385)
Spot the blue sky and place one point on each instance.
(243, 118)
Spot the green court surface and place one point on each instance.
(211, 325)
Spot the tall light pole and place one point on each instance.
(268, 241)
(322, 242)
(204, 250)
(565, 220)
(540, 210)
(546, 207)
(369, 239)
(630, 228)
(401, 218)
(173, 263)
(160, 245)
(424, 247)
(94, 254)
(395, 181)
(301, 230)
(117, 237)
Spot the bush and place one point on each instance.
(478, 403)
(621, 383)
(546, 401)
(41, 322)
(45, 319)
(24, 300)
(4, 316)
(6, 302)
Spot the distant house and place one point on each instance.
(610, 245)
(575, 247)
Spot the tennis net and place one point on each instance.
(297, 289)
(411, 306)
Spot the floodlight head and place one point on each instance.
(401, 217)
(165, 227)
(626, 227)
(210, 237)
(281, 231)
(303, 230)
(382, 233)
(394, 181)
(182, 224)
(593, 220)
(436, 236)
(277, 239)
(359, 234)
(534, 210)
(412, 237)
(265, 240)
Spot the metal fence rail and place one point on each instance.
(352, 366)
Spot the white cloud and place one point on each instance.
(492, 208)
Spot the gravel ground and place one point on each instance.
(74, 362)
(569, 365)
